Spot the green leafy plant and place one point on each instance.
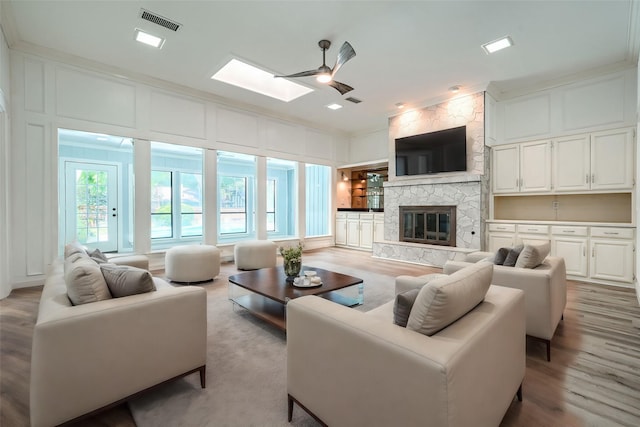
(292, 252)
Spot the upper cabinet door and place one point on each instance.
(506, 174)
(535, 167)
(571, 166)
(612, 160)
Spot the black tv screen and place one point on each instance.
(434, 152)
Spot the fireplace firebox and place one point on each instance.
(433, 225)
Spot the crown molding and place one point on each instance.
(633, 36)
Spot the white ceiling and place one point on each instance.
(409, 52)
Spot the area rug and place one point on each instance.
(246, 367)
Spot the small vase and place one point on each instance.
(292, 268)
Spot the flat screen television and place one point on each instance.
(433, 152)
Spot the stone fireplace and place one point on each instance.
(420, 236)
(435, 225)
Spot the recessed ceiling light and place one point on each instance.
(149, 39)
(454, 89)
(497, 45)
(248, 77)
(334, 106)
(400, 105)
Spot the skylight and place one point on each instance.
(246, 76)
(497, 45)
(149, 39)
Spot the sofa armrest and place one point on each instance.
(88, 356)
(401, 377)
(478, 256)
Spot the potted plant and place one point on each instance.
(292, 260)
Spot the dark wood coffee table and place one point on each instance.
(270, 292)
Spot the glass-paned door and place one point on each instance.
(91, 205)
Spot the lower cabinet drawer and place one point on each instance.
(569, 231)
(533, 229)
(612, 232)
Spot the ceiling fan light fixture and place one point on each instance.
(324, 78)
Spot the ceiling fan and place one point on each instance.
(325, 74)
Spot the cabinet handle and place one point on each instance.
(521, 182)
(517, 182)
(500, 228)
(611, 233)
(587, 178)
(593, 178)
(584, 251)
(593, 252)
(532, 229)
(568, 231)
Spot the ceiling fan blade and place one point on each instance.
(346, 53)
(340, 87)
(303, 74)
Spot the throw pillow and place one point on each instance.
(73, 248)
(85, 282)
(98, 256)
(533, 255)
(124, 280)
(402, 307)
(501, 256)
(443, 301)
(512, 257)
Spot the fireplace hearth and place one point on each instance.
(433, 225)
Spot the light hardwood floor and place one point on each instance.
(593, 378)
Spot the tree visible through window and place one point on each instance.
(271, 205)
(233, 204)
(91, 197)
(161, 204)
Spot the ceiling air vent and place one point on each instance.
(159, 20)
(354, 100)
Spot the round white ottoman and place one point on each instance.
(255, 254)
(192, 263)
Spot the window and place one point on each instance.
(281, 203)
(318, 191)
(176, 194)
(236, 196)
(233, 204)
(161, 204)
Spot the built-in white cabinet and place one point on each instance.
(597, 253)
(378, 227)
(522, 168)
(612, 254)
(341, 228)
(598, 161)
(572, 244)
(355, 229)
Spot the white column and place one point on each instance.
(260, 213)
(142, 196)
(210, 189)
(301, 191)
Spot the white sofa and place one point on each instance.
(545, 291)
(350, 368)
(87, 357)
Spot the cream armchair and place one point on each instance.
(545, 291)
(350, 368)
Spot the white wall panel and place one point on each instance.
(237, 128)
(594, 104)
(88, 97)
(525, 118)
(177, 116)
(319, 145)
(35, 210)
(34, 86)
(283, 137)
(372, 146)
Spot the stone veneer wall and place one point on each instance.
(468, 191)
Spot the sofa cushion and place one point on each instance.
(402, 306)
(533, 255)
(98, 256)
(124, 280)
(501, 256)
(512, 257)
(445, 300)
(84, 280)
